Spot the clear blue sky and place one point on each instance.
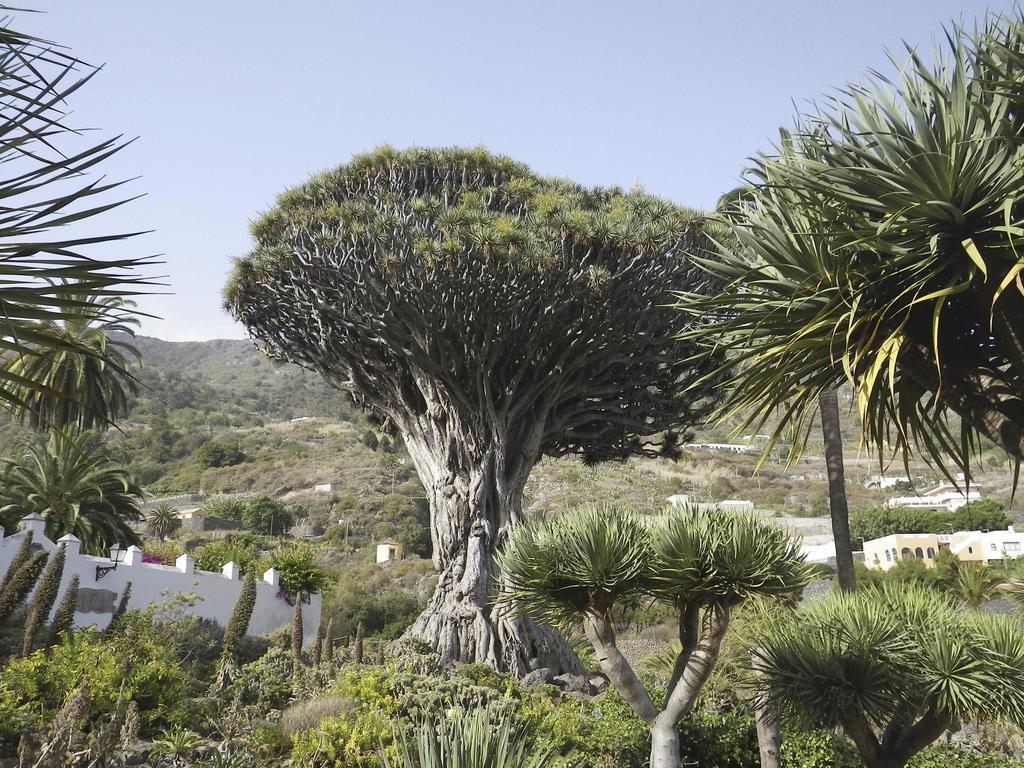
(233, 100)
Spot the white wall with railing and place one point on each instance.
(215, 594)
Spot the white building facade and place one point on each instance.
(212, 595)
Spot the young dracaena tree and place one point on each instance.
(491, 316)
(894, 668)
(580, 566)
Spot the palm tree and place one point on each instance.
(71, 482)
(163, 521)
(44, 269)
(893, 668)
(879, 245)
(578, 567)
(975, 584)
(84, 375)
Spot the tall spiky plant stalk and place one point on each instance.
(119, 611)
(327, 649)
(43, 600)
(357, 651)
(21, 584)
(64, 618)
(297, 637)
(20, 558)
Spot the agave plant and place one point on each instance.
(45, 268)
(880, 244)
(71, 482)
(579, 566)
(893, 668)
(481, 738)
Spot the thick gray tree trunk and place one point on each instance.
(828, 405)
(475, 496)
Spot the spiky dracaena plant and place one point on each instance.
(480, 738)
(17, 589)
(880, 245)
(491, 316)
(43, 599)
(893, 668)
(64, 618)
(163, 521)
(579, 566)
(238, 626)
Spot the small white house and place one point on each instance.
(327, 487)
(388, 551)
(945, 496)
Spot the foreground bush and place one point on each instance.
(135, 665)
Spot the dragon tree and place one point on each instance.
(491, 316)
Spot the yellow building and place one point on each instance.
(884, 553)
(968, 546)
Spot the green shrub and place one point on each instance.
(299, 574)
(225, 508)
(34, 688)
(817, 749)
(306, 715)
(351, 740)
(264, 515)
(265, 684)
(954, 757)
(587, 734)
(216, 454)
(237, 548)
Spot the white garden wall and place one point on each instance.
(216, 593)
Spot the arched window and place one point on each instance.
(895, 554)
(888, 556)
(919, 553)
(931, 553)
(905, 552)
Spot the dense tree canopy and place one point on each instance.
(499, 291)
(490, 315)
